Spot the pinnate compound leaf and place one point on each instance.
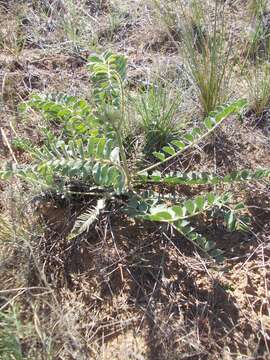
(194, 136)
(195, 178)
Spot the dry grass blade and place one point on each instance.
(87, 218)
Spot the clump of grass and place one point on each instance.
(257, 75)
(12, 36)
(77, 24)
(257, 8)
(259, 37)
(157, 109)
(118, 20)
(206, 51)
(259, 41)
(204, 45)
(166, 13)
(257, 79)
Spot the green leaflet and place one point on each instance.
(5, 174)
(160, 156)
(231, 220)
(104, 67)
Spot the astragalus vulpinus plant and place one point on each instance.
(90, 152)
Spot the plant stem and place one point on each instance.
(118, 131)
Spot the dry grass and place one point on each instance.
(128, 290)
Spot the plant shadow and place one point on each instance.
(140, 270)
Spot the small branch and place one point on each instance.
(8, 145)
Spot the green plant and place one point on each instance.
(100, 163)
(259, 42)
(166, 12)
(257, 74)
(71, 116)
(116, 19)
(259, 36)
(257, 8)
(157, 108)
(77, 24)
(257, 80)
(206, 53)
(205, 48)
(12, 37)
(11, 333)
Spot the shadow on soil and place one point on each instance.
(180, 308)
